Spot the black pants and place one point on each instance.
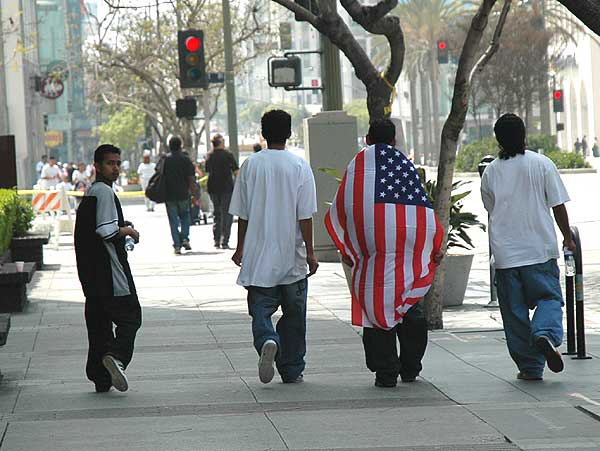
(223, 220)
(100, 314)
(381, 352)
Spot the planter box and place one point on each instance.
(13, 287)
(456, 278)
(29, 248)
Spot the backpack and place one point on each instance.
(156, 190)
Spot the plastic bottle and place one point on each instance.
(129, 243)
(569, 262)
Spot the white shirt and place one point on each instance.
(54, 173)
(518, 194)
(273, 192)
(79, 176)
(146, 171)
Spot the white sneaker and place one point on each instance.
(265, 363)
(116, 371)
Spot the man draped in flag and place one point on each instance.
(383, 224)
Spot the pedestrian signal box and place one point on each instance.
(558, 101)
(192, 67)
(285, 72)
(442, 52)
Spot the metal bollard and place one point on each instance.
(484, 163)
(579, 305)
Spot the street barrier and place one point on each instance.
(575, 305)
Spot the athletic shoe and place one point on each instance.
(186, 245)
(177, 251)
(225, 246)
(217, 244)
(117, 372)
(553, 357)
(298, 380)
(528, 377)
(103, 388)
(408, 379)
(385, 384)
(265, 363)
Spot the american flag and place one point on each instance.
(383, 220)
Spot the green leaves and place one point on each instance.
(332, 172)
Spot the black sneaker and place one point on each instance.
(553, 357)
(186, 245)
(408, 379)
(385, 384)
(528, 377)
(225, 246)
(217, 245)
(101, 388)
(117, 372)
(177, 251)
(298, 380)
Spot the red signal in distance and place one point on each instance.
(558, 94)
(442, 45)
(192, 44)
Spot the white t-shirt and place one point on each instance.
(79, 176)
(518, 194)
(273, 192)
(54, 173)
(146, 171)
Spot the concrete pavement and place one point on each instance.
(194, 382)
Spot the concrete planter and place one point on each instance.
(456, 278)
(29, 248)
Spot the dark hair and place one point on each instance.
(104, 149)
(52, 157)
(382, 131)
(510, 133)
(217, 140)
(276, 126)
(44, 156)
(257, 147)
(175, 143)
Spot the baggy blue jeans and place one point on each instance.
(291, 327)
(178, 212)
(535, 287)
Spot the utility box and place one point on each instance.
(331, 141)
(8, 166)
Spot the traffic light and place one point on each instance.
(442, 51)
(192, 68)
(559, 101)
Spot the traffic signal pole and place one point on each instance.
(331, 74)
(230, 82)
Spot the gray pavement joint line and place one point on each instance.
(589, 413)
(485, 371)
(507, 438)
(266, 414)
(346, 323)
(5, 429)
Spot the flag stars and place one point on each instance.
(405, 162)
(424, 198)
(397, 153)
(383, 167)
(405, 174)
(412, 168)
(417, 190)
(383, 180)
(398, 168)
(397, 181)
(381, 194)
(390, 187)
(404, 189)
(411, 183)
(396, 195)
(410, 197)
(390, 174)
(382, 152)
(390, 160)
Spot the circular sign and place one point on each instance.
(52, 88)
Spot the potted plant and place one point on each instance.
(457, 265)
(26, 246)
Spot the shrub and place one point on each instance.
(24, 215)
(469, 157)
(7, 218)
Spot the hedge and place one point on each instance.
(7, 218)
(469, 157)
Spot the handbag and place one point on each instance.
(156, 190)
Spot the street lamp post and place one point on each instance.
(230, 82)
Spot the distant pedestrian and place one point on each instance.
(40, 165)
(595, 148)
(257, 147)
(392, 239)
(584, 146)
(80, 178)
(274, 199)
(51, 174)
(145, 171)
(577, 145)
(221, 167)
(518, 190)
(105, 276)
(180, 181)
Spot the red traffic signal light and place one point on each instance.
(442, 45)
(192, 68)
(192, 44)
(443, 56)
(558, 101)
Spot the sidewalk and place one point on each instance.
(194, 383)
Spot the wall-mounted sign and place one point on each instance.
(52, 88)
(53, 138)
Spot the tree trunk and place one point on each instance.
(450, 136)
(425, 118)
(435, 103)
(414, 114)
(378, 99)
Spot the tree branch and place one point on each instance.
(302, 13)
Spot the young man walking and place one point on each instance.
(274, 198)
(180, 180)
(221, 167)
(385, 228)
(105, 276)
(519, 189)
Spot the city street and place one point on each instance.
(194, 382)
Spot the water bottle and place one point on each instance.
(569, 262)
(129, 243)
